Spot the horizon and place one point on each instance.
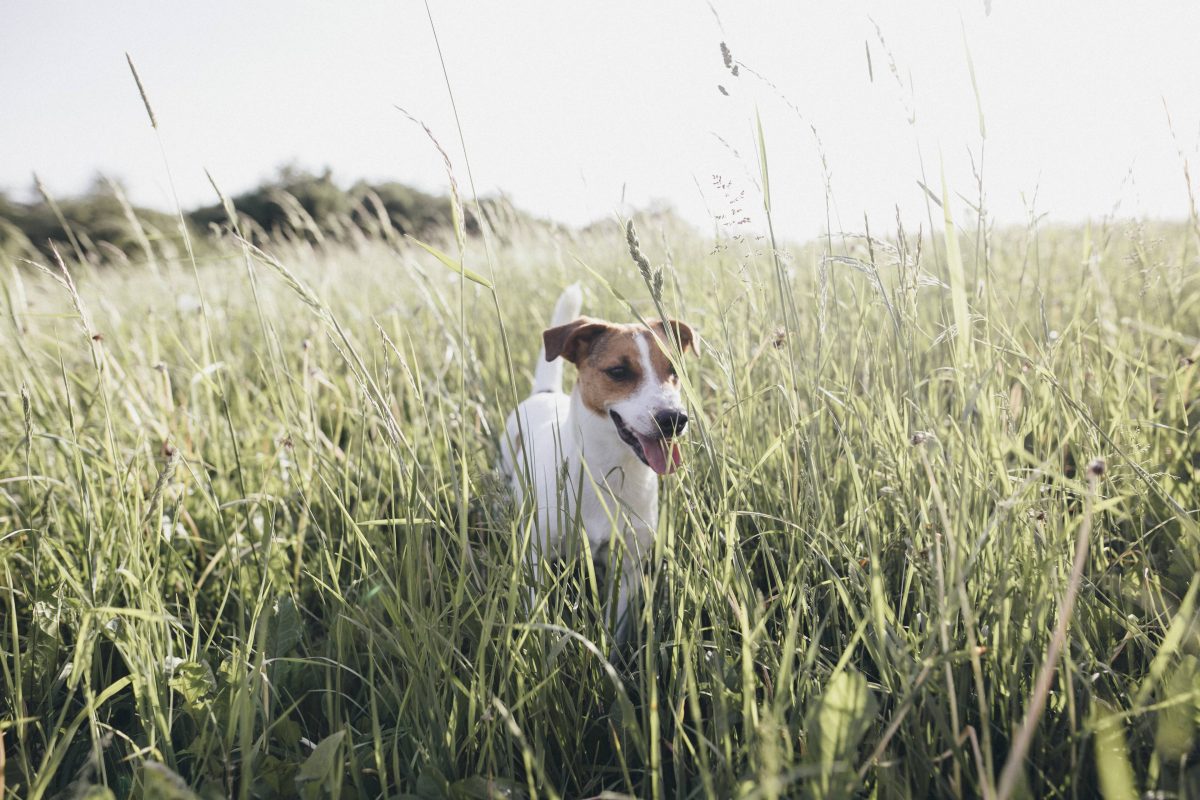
(615, 129)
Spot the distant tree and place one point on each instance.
(97, 218)
(294, 203)
(276, 205)
(410, 210)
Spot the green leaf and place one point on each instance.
(320, 765)
(287, 629)
(161, 783)
(1176, 728)
(432, 784)
(94, 793)
(44, 644)
(1170, 643)
(761, 140)
(478, 787)
(836, 726)
(450, 262)
(1112, 756)
(286, 732)
(194, 680)
(275, 776)
(958, 282)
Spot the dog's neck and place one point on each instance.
(607, 460)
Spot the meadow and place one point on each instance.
(935, 534)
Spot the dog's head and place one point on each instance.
(626, 377)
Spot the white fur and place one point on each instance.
(547, 375)
(651, 396)
(575, 465)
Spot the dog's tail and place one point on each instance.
(547, 375)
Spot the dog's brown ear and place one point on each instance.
(682, 333)
(571, 341)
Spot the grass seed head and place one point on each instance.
(653, 277)
(727, 57)
(635, 250)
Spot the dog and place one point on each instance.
(593, 458)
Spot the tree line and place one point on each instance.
(100, 225)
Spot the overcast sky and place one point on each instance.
(572, 107)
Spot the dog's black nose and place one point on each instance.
(671, 423)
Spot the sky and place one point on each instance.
(578, 111)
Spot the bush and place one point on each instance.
(98, 226)
(295, 204)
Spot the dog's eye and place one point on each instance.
(618, 373)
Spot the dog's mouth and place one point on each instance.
(656, 452)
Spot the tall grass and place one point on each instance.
(932, 538)
(233, 558)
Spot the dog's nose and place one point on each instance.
(671, 423)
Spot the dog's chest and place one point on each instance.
(621, 499)
(580, 470)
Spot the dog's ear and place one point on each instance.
(571, 341)
(682, 334)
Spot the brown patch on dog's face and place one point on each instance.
(611, 370)
(610, 363)
(571, 341)
(658, 354)
(681, 332)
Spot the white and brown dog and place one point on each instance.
(593, 457)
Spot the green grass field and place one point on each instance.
(935, 534)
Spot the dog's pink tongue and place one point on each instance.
(656, 454)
